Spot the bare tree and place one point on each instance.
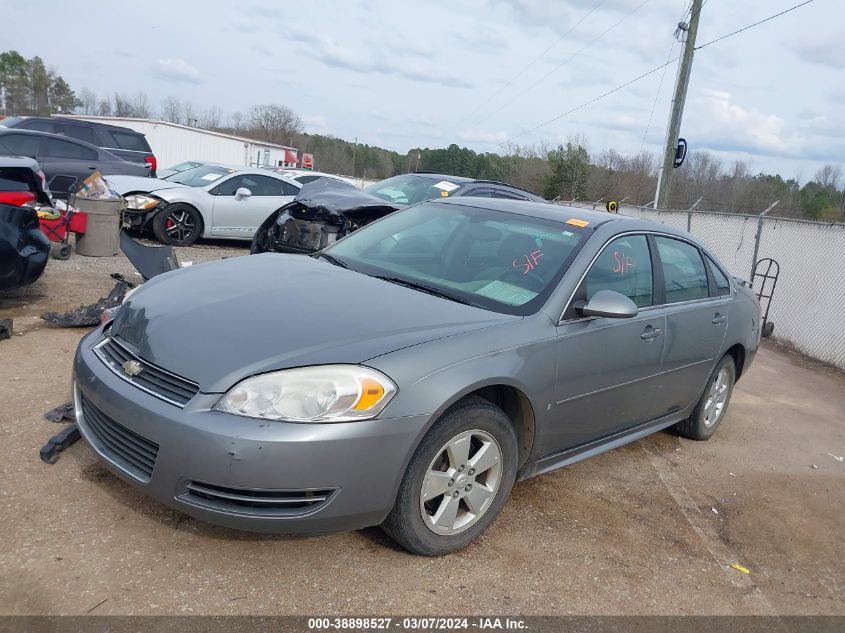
(276, 123)
(171, 110)
(237, 120)
(211, 118)
(140, 106)
(829, 176)
(122, 105)
(89, 101)
(189, 114)
(104, 107)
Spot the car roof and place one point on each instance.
(464, 180)
(551, 211)
(53, 119)
(62, 137)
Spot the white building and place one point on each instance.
(173, 143)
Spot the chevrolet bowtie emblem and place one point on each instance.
(132, 368)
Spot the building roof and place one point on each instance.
(128, 121)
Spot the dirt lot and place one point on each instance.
(649, 528)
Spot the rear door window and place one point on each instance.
(79, 132)
(723, 286)
(683, 270)
(39, 126)
(130, 141)
(57, 148)
(509, 195)
(624, 266)
(21, 144)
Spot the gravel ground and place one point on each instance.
(651, 528)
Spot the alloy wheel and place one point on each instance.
(180, 226)
(717, 396)
(461, 482)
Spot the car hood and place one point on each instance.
(128, 184)
(219, 322)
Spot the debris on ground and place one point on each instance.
(86, 316)
(740, 568)
(59, 442)
(60, 413)
(148, 260)
(839, 459)
(5, 329)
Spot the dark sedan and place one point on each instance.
(63, 159)
(408, 375)
(325, 210)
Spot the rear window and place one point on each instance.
(130, 140)
(79, 132)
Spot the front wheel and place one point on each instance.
(177, 224)
(711, 408)
(458, 480)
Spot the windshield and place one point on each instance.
(183, 166)
(411, 188)
(495, 260)
(199, 176)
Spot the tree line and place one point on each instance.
(568, 171)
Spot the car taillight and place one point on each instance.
(151, 161)
(16, 198)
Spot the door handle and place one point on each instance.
(650, 333)
(718, 319)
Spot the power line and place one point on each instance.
(750, 26)
(657, 96)
(559, 66)
(591, 101)
(536, 59)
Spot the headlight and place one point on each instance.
(327, 393)
(140, 202)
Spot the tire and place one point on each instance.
(177, 224)
(704, 421)
(486, 432)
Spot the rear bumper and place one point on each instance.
(347, 473)
(24, 249)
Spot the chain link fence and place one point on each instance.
(809, 299)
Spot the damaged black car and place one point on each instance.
(24, 249)
(327, 210)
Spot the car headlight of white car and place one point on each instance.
(326, 393)
(141, 202)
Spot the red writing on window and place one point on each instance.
(623, 262)
(529, 263)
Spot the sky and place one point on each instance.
(479, 73)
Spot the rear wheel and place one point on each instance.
(711, 408)
(177, 224)
(458, 480)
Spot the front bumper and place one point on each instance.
(350, 472)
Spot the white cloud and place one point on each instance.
(177, 70)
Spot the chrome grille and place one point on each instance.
(132, 452)
(254, 501)
(152, 379)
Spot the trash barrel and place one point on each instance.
(102, 235)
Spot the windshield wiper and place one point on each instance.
(332, 260)
(423, 288)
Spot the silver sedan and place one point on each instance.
(206, 201)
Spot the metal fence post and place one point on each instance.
(757, 237)
(689, 214)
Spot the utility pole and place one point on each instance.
(687, 33)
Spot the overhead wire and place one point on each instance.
(522, 70)
(647, 73)
(566, 61)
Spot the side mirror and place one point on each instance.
(242, 193)
(608, 304)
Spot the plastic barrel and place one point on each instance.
(102, 235)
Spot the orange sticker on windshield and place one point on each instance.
(443, 194)
(577, 222)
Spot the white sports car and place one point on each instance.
(207, 201)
